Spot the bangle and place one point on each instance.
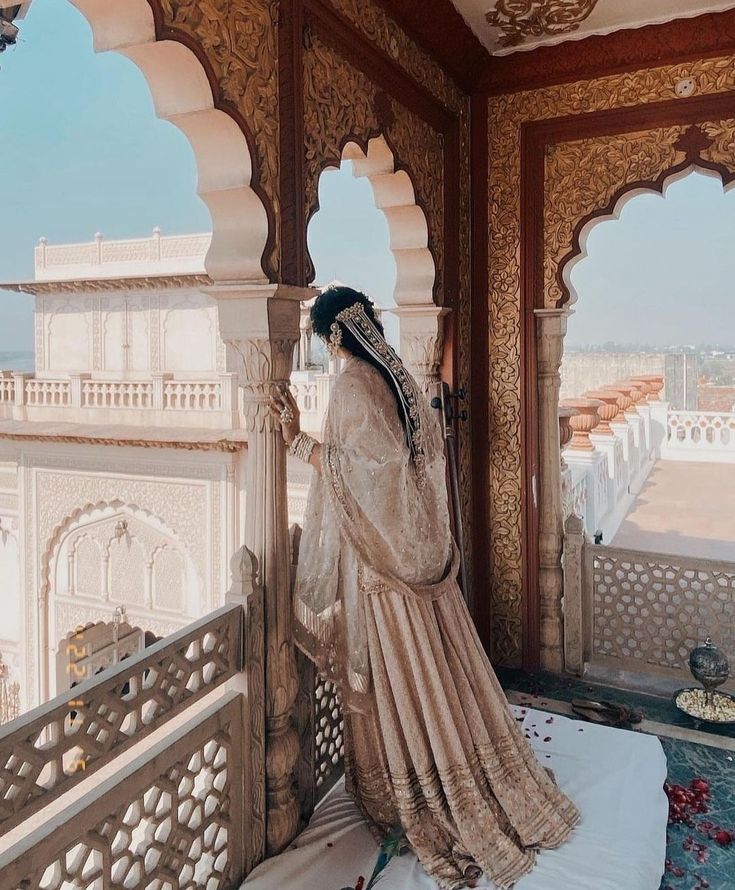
(302, 447)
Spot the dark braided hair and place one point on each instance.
(324, 312)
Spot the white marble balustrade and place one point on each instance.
(82, 398)
(700, 436)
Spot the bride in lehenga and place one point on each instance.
(431, 745)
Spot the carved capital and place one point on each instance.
(552, 327)
(422, 342)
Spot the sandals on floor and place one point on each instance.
(606, 713)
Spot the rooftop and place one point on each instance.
(684, 508)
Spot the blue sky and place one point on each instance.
(663, 273)
(82, 151)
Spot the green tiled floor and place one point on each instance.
(696, 861)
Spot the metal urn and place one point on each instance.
(709, 666)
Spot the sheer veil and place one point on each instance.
(377, 517)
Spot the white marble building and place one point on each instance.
(122, 458)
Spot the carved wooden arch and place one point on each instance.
(349, 99)
(394, 195)
(586, 180)
(582, 181)
(186, 93)
(614, 207)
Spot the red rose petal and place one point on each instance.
(723, 838)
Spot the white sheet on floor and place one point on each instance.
(615, 778)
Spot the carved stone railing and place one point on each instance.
(630, 610)
(168, 751)
(191, 396)
(81, 398)
(48, 750)
(48, 393)
(700, 435)
(178, 818)
(320, 724)
(134, 256)
(117, 394)
(7, 388)
(321, 735)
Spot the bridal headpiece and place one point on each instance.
(364, 330)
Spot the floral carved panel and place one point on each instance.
(380, 29)
(341, 105)
(240, 43)
(582, 177)
(507, 115)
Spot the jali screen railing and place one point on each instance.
(186, 807)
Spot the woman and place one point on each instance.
(431, 745)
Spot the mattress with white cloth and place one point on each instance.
(614, 776)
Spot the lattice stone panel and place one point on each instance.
(175, 822)
(653, 608)
(328, 732)
(321, 733)
(46, 751)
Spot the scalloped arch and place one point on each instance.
(614, 208)
(75, 520)
(394, 196)
(182, 95)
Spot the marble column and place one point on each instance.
(261, 324)
(551, 328)
(422, 343)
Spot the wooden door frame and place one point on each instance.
(536, 137)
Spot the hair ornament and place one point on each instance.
(335, 339)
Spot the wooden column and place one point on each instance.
(552, 326)
(261, 324)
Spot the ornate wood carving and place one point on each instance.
(609, 167)
(582, 177)
(685, 40)
(381, 30)
(342, 104)
(444, 34)
(239, 44)
(520, 19)
(509, 117)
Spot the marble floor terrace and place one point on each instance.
(684, 508)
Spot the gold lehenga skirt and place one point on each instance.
(440, 753)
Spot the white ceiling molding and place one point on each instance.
(507, 26)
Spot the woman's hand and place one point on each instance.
(285, 410)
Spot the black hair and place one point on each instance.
(324, 312)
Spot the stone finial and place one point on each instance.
(565, 428)
(607, 411)
(654, 381)
(583, 422)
